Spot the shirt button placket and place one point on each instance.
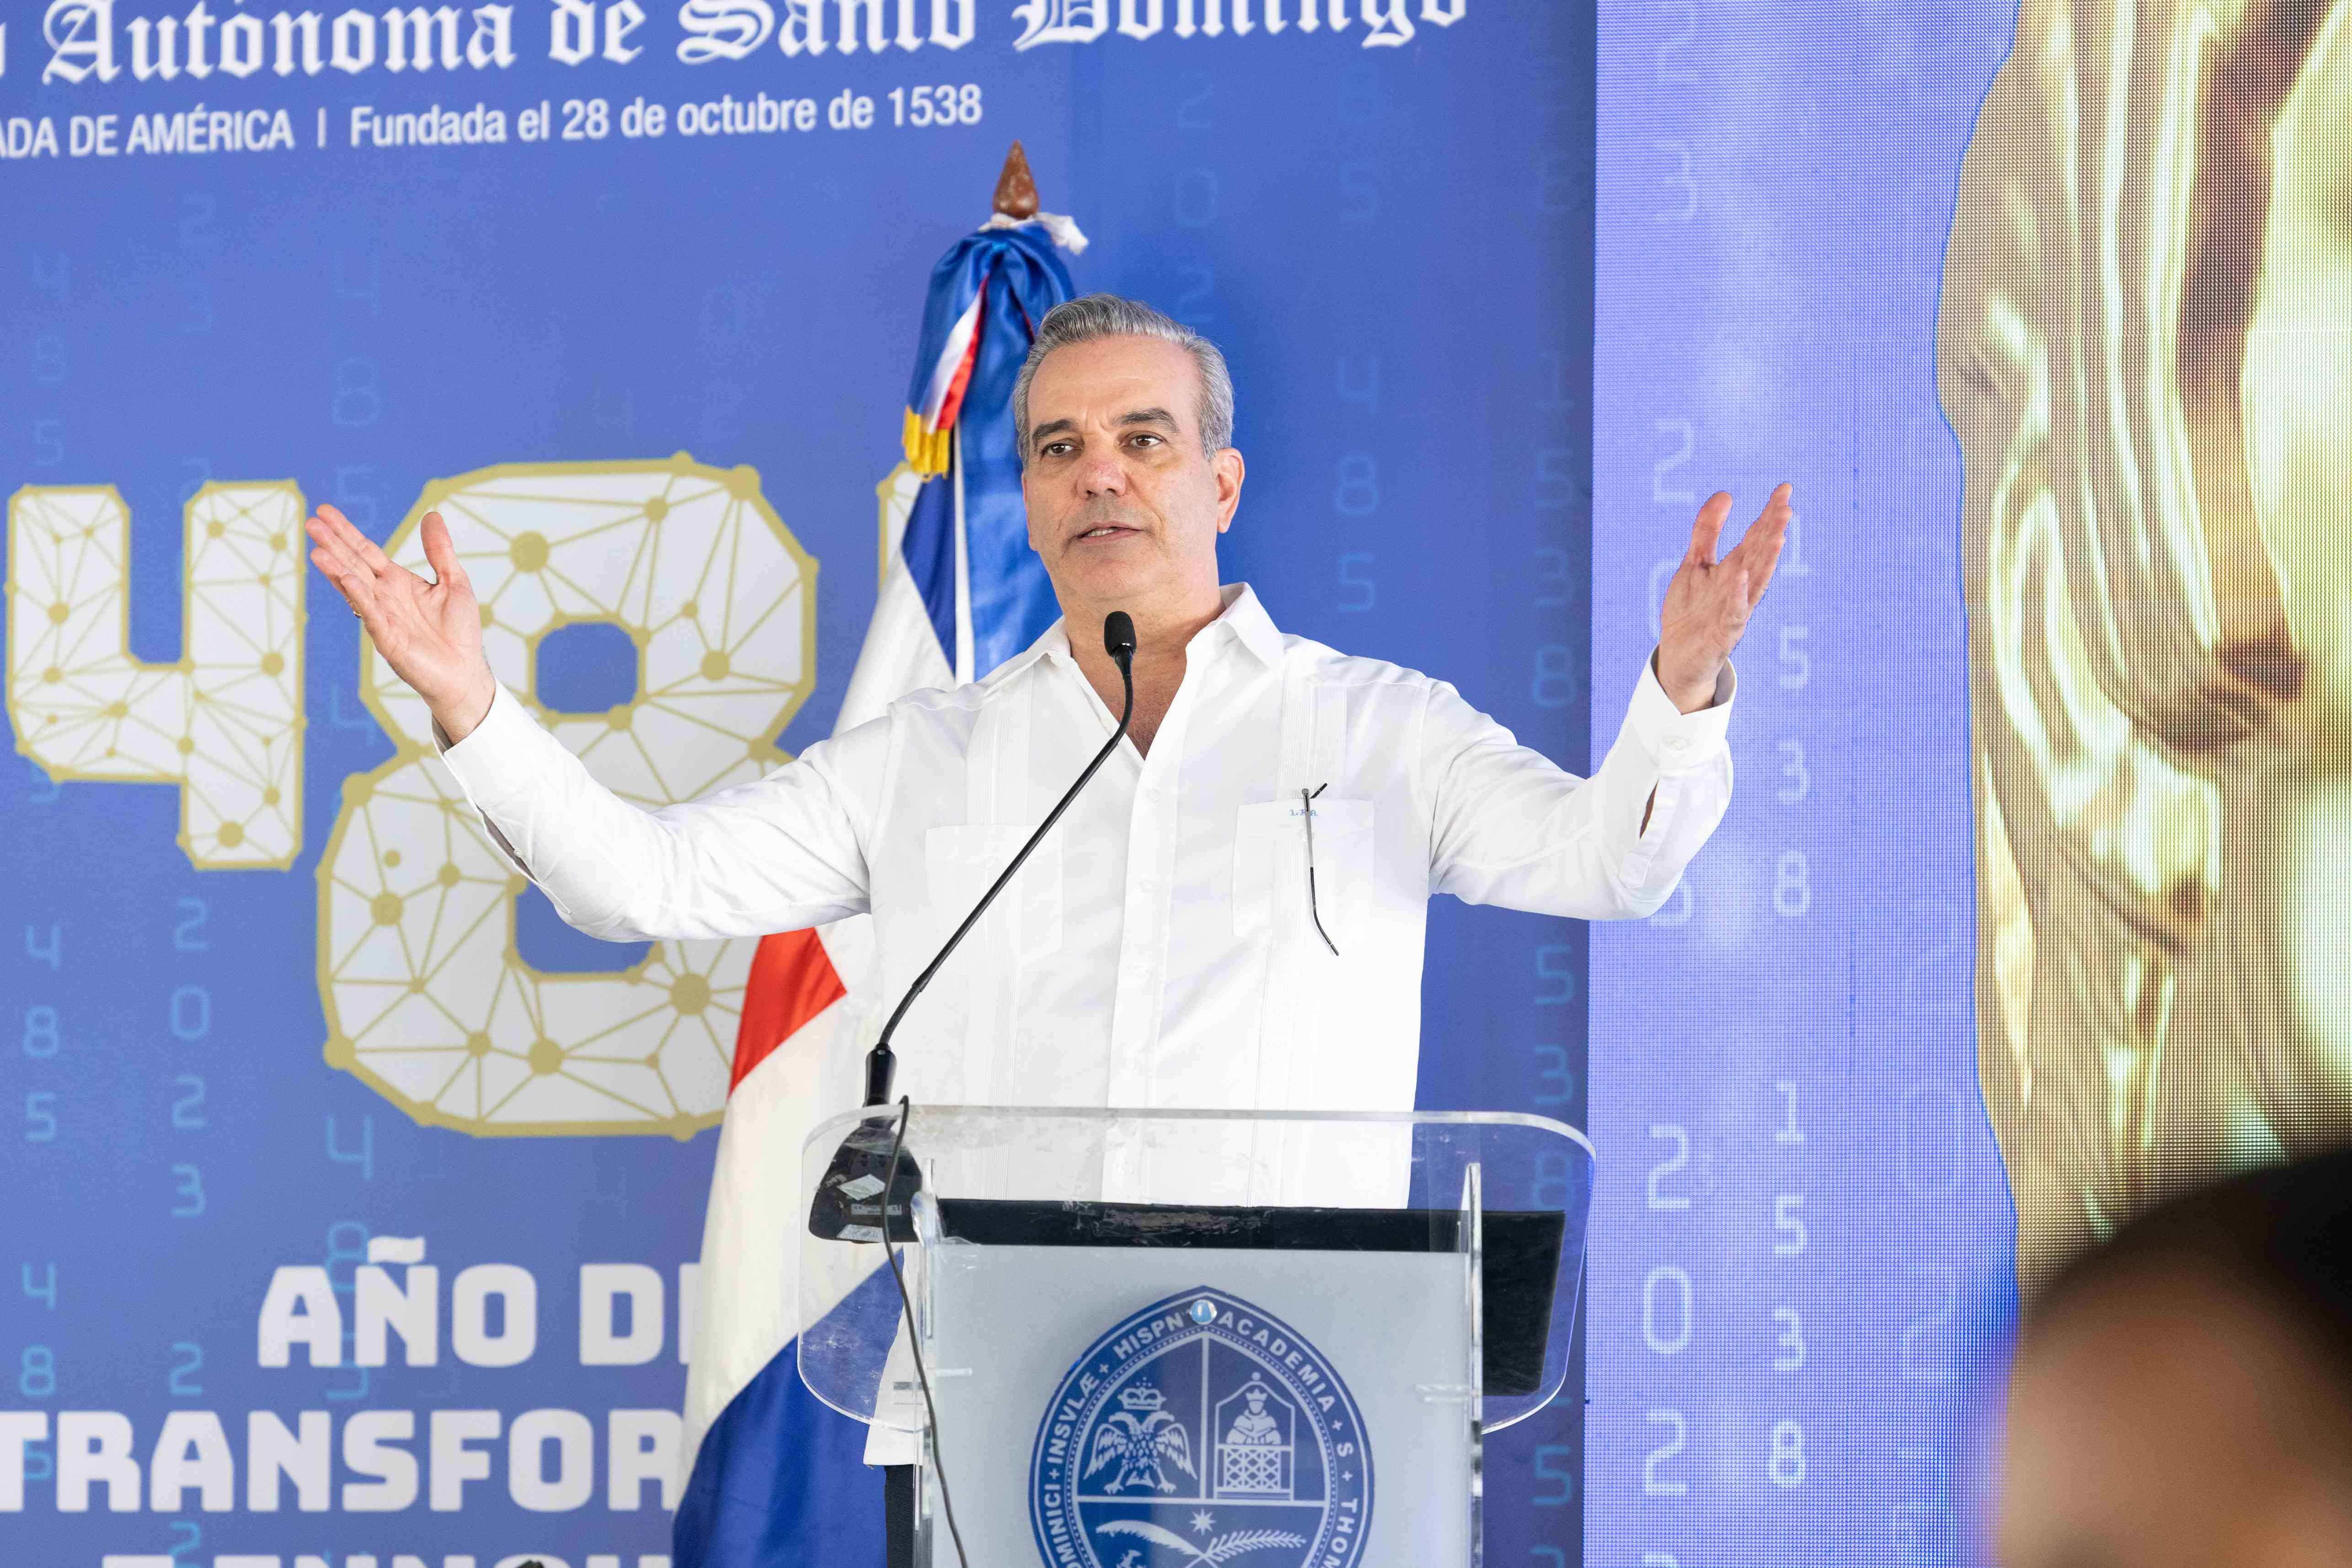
(1138, 970)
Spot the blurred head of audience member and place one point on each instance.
(2182, 1393)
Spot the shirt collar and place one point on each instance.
(1244, 619)
(1252, 626)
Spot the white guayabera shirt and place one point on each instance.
(1158, 950)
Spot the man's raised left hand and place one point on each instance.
(1709, 601)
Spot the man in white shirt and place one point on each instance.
(1162, 948)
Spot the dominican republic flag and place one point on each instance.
(772, 1476)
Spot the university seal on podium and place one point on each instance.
(1200, 1431)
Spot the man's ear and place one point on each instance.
(1230, 471)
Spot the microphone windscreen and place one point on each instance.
(1119, 634)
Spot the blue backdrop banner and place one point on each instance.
(627, 290)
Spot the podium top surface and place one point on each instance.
(992, 1120)
(1342, 1158)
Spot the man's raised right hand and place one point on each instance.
(430, 632)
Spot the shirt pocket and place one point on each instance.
(1270, 854)
(962, 863)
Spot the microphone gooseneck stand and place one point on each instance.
(851, 1202)
(1119, 641)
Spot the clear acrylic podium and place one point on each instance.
(1169, 1339)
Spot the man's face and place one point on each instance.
(2171, 1424)
(1124, 505)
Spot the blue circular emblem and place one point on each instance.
(1200, 1431)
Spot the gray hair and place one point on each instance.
(1094, 316)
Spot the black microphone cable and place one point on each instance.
(914, 1339)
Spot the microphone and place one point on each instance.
(850, 1201)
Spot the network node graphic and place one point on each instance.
(426, 997)
(224, 721)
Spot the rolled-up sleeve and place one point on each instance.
(776, 853)
(1510, 826)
